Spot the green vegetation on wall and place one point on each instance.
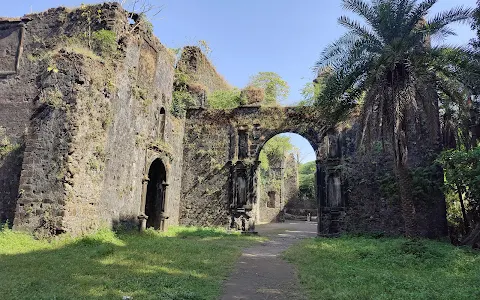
(276, 89)
(225, 99)
(182, 98)
(6, 146)
(105, 42)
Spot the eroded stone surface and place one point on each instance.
(83, 127)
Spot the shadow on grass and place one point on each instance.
(197, 232)
(153, 265)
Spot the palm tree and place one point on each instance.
(388, 58)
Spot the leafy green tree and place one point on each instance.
(312, 90)
(388, 56)
(274, 150)
(476, 26)
(462, 176)
(306, 175)
(276, 89)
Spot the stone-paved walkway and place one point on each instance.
(261, 274)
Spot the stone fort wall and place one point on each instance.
(87, 123)
(82, 121)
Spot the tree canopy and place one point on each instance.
(276, 89)
(275, 149)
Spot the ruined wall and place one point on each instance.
(14, 113)
(196, 65)
(372, 195)
(206, 170)
(96, 117)
(291, 178)
(135, 140)
(272, 194)
(202, 77)
(222, 147)
(281, 183)
(59, 170)
(23, 43)
(83, 120)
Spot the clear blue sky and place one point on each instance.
(250, 36)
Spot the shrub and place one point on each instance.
(104, 42)
(224, 99)
(253, 95)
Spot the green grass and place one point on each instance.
(386, 268)
(183, 263)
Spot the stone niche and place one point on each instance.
(11, 42)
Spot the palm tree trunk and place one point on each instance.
(402, 94)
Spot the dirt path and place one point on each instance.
(260, 273)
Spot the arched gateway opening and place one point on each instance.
(224, 187)
(286, 180)
(155, 197)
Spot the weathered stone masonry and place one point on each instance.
(92, 140)
(91, 127)
(224, 186)
(279, 187)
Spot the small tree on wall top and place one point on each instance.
(276, 89)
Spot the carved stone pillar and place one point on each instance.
(163, 214)
(142, 216)
(331, 209)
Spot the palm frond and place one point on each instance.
(392, 52)
(418, 13)
(336, 50)
(356, 28)
(442, 19)
(360, 7)
(443, 34)
(403, 9)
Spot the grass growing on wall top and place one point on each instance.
(386, 268)
(183, 263)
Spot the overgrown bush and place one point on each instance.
(224, 99)
(425, 183)
(181, 100)
(104, 42)
(253, 95)
(181, 97)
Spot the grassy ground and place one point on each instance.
(386, 268)
(186, 264)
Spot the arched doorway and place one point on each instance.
(155, 198)
(286, 179)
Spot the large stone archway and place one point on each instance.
(221, 161)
